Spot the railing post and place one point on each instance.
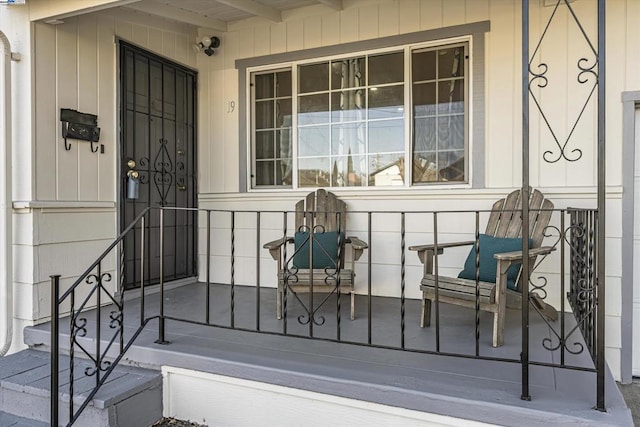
(55, 346)
(524, 355)
(161, 319)
(142, 266)
(600, 218)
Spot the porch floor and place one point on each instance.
(480, 390)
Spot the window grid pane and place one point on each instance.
(351, 120)
(439, 109)
(272, 129)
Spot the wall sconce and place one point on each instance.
(207, 44)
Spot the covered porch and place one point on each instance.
(453, 383)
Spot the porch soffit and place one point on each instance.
(210, 14)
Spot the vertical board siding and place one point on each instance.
(79, 56)
(67, 97)
(48, 129)
(107, 109)
(361, 20)
(88, 170)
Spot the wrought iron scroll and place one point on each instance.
(582, 295)
(331, 277)
(163, 171)
(579, 238)
(587, 74)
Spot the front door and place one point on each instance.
(158, 142)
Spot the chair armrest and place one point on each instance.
(441, 246)
(427, 252)
(358, 247)
(275, 244)
(275, 247)
(517, 255)
(356, 243)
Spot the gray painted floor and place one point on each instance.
(631, 394)
(463, 387)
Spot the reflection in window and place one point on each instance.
(439, 114)
(272, 129)
(358, 121)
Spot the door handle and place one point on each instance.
(182, 187)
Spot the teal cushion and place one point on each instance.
(325, 250)
(489, 246)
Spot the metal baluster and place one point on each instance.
(258, 271)
(161, 320)
(72, 318)
(311, 242)
(233, 268)
(285, 274)
(142, 267)
(477, 277)
(121, 299)
(402, 275)
(369, 278)
(208, 297)
(98, 320)
(436, 281)
(562, 285)
(338, 313)
(55, 346)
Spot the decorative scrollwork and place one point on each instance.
(586, 71)
(116, 319)
(79, 328)
(539, 78)
(103, 365)
(547, 343)
(94, 279)
(163, 171)
(291, 277)
(586, 74)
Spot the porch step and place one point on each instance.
(130, 397)
(9, 420)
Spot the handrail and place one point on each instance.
(576, 242)
(78, 329)
(103, 255)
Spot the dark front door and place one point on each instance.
(158, 142)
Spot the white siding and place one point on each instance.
(76, 67)
(361, 20)
(72, 216)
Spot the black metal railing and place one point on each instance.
(92, 284)
(573, 248)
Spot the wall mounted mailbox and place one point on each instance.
(80, 126)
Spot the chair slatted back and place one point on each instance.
(321, 209)
(506, 218)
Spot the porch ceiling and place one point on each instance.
(207, 14)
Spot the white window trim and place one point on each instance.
(465, 32)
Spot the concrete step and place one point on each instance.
(130, 397)
(9, 420)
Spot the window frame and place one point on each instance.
(472, 33)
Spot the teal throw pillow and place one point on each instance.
(489, 246)
(325, 249)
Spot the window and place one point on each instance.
(357, 120)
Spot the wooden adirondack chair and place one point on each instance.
(505, 221)
(322, 212)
